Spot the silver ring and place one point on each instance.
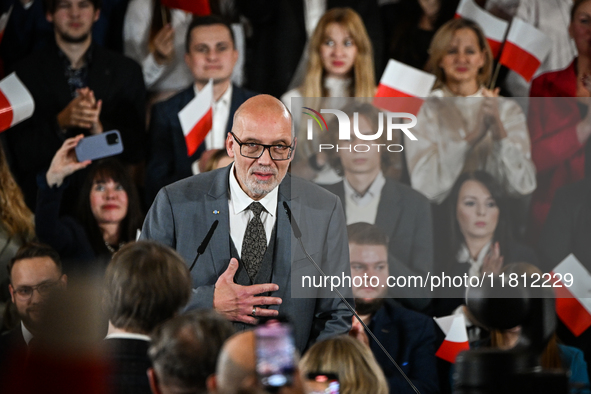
(254, 311)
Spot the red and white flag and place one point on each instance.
(456, 337)
(4, 22)
(410, 84)
(525, 49)
(494, 28)
(573, 303)
(197, 118)
(197, 7)
(16, 102)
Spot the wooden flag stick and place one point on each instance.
(164, 18)
(493, 81)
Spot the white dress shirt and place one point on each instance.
(128, 335)
(240, 216)
(363, 207)
(27, 336)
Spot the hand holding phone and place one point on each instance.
(64, 162)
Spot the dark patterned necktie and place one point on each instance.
(254, 244)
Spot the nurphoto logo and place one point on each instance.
(393, 120)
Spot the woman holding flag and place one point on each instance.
(465, 126)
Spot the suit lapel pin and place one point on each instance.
(216, 212)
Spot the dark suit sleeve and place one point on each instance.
(128, 112)
(421, 254)
(421, 368)
(556, 238)
(332, 317)
(159, 169)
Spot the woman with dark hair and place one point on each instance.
(479, 237)
(108, 212)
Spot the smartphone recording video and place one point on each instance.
(99, 146)
(275, 351)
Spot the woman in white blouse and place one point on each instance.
(465, 126)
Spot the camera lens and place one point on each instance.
(112, 138)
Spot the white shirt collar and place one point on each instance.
(240, 200)
(463, 256)
(26, 334)
(128, 335)
(372, 192)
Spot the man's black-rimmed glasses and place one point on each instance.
(254, 150)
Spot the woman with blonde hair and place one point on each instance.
(340, 59)
(16, 221)
(354, 363)
(340, 64)
(465, 126)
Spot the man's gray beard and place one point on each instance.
(363, 307)
(258, 188)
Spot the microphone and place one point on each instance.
(204, 243)
(298, 235)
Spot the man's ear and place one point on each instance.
(63, 280)
(49, 17)
(295, 144)
(153, 379)
(211, 383)
(97, 15)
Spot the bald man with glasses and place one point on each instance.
(252, 267)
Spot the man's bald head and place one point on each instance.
(263, 105)
(236, 367)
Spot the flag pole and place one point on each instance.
(493, 81)
(163, 13)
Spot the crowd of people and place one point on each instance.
(159, 269)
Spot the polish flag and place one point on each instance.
(400, 80)
(494, 28)
(573, 303)
(16, 103)
(525, 49)
(197, 118)
(4, 22)
(456, 337)
(197, 7)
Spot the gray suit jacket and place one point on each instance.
(184, 211)
(405, 216)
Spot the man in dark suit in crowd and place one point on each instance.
(408, 336)
(78, 87)
(184, 352)
(145, 285)
(34, 272)
(253, 250)
(401, 212)
(211, 53)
